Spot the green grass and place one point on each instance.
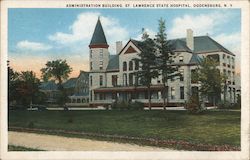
(20, 148)
(211, 127)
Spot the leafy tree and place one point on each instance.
(12, 85)
(57, 70)
(28, 86)
(165, 56)
(148, 62)
(210, 78)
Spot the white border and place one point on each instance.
(243, 154)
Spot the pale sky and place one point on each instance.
(38, 35)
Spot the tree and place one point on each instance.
(57, 70)
(28, 86)
(210, 79)
(12, 85)
(165, 56)
(148, 63)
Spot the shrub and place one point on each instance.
(136, 105)
(193, 104)
(224, 105)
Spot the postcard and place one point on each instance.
(124, 79)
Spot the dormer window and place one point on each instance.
(180, 59)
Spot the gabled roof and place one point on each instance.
(71, 83)
(135, 42)
(98, 37)
(113, 63)
(50, 85)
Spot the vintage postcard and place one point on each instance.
(124, 79)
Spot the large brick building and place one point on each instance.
(111, 78)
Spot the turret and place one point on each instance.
(99, 54)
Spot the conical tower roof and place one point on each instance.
(98, 39)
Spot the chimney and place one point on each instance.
(118, 47)
(190, 39)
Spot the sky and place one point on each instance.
(36, 36)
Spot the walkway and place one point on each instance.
(59, 143)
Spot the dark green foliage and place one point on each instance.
(193, 105)
(57, 70)
(23, 88)
(210, 78)
(165, 59)
(148, 63)
(21, 148)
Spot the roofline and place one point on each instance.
(130, 40)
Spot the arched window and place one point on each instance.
(124, 66)
(130, 65)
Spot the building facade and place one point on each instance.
(111, 77)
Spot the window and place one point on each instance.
(91, 66)
(101, 54)
(181, 74)
(101, 80)
(172, 93)
(114, 80)
(124, 66)
(223, 56)
(181, 92)
(130, 79)
(215, 57)
(125, 79)
(130, 65)
(136, 64)
(180, 58)
(91, 81)
(101, 65)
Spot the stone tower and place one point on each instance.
(99, 54)
(98, 59)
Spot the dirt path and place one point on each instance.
(59, 143)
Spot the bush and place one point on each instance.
(224, 105)
(136, 105)
(193, 104)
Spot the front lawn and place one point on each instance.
(212, 127)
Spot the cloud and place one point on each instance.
(83, 28)
(201, 24)
(33, 46)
